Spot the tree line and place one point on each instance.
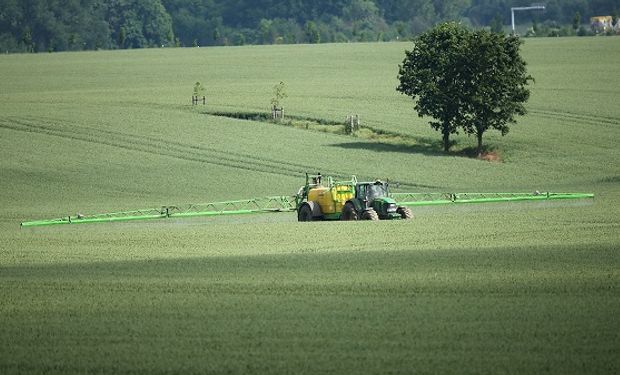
(60, 25)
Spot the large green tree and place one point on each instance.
(432, 74)
(465, 80)
(139, 23)
(496, 90)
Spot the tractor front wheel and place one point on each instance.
(349, 212)
(305, 213)
(405, 212)
(370, 214)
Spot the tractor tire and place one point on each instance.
(349, 212)
(405, 212)
(370, 214)
(305, 213)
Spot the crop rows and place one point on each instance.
(603, 121)
(171, 148)
(156, 146)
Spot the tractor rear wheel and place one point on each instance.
(305, 213)
(349, 212)
(370, 214)
(405, 212)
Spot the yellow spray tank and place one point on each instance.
(331, 198)
(341, 193)
(324, 197)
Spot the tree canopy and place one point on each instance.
(465, 80)
(54, 25)
(496, 80)
(433, 74)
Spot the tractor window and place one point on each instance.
(376, 191)
(361, 191)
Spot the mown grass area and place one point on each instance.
(528, 287)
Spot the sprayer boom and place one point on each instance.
(288, 203)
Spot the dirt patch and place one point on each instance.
(491, 156)
(488, 154)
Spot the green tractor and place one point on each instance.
(347, 200)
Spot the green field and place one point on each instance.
(499, 288)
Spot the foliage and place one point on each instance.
(496, 24)
(37, 25)
(199, 89)
(139, 23)
(433, 75)
(473, 80)
(279, 93)
(576, 21)
(496, 79)
(312, 32)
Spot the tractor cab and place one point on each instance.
(376, 196)
(367, 191)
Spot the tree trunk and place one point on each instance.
(446, 139)
(479, 135)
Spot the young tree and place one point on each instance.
(469, 80)
(432, 74)
(199, 89)
(279, 93)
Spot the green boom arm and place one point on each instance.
(287, 203)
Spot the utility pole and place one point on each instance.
(531, 7)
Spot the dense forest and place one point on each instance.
(59, 25)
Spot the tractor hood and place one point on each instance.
(386, 200)
(384, 205)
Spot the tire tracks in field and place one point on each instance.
(159, 147)
(173, 149)
(578, 118)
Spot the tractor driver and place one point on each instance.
(377, 190)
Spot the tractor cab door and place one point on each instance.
(361, 193)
